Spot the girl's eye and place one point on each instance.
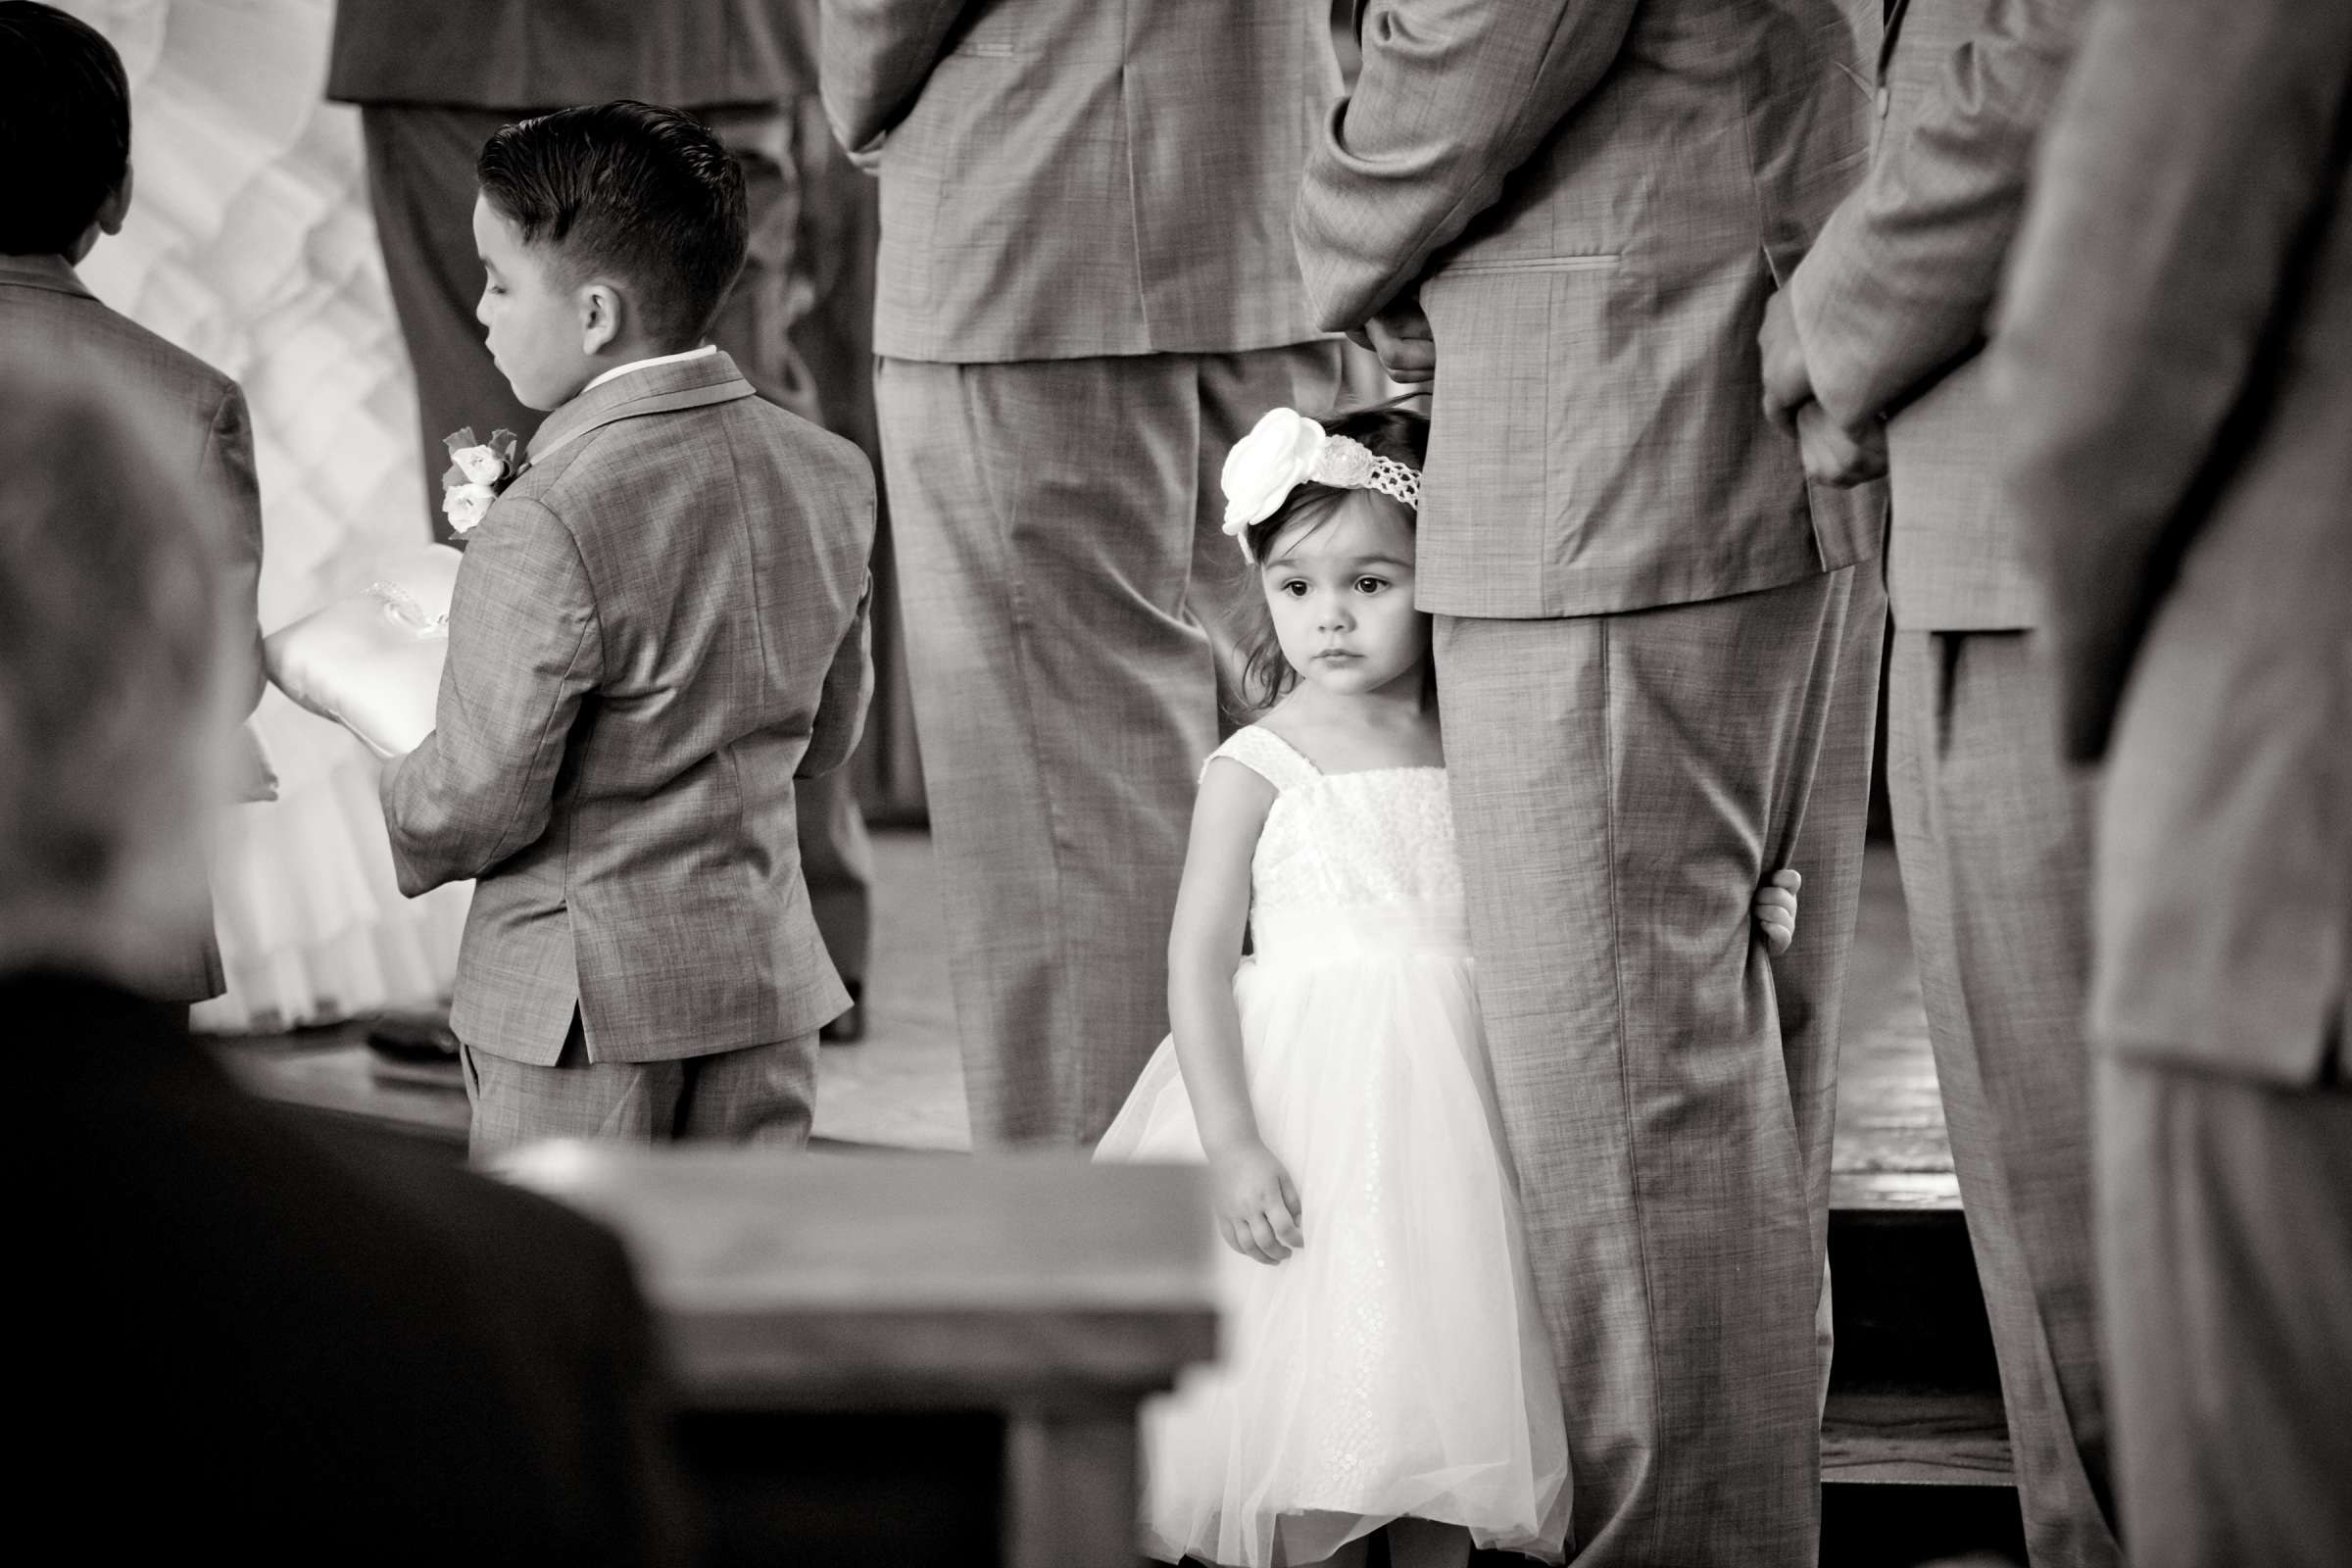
(1294, 588)
(1370, 585)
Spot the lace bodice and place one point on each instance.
(1377, 837)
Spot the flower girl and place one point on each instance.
(1386, 1366)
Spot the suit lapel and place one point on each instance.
(52, 273)
(661, 389)
(1894, 24)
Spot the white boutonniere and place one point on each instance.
(477, 472)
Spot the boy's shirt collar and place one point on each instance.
(693, 379)
(619, 370)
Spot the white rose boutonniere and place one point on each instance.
(1265, 466)
(477, 472)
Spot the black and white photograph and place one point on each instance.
(1228, 783)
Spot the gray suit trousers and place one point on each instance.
(2226, 1269)
(1622, 787)
(1056, 522)
(1994, 834)
(762, 1094)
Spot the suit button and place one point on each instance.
(1886, 97)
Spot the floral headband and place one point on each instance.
(1286, 450)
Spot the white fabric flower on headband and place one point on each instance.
(1287, 449)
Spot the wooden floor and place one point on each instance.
(904, 1087)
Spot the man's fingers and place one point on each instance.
(1793, 880)
(1410, 362)
(1835, 455)
(1407, 349)
(1787, 383)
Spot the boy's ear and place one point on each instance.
(600, 309)
(117, 206)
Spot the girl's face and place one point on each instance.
(1340, 591)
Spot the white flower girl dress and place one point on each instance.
(1398, 1364)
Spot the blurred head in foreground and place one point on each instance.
(112, 637)
(65, 133)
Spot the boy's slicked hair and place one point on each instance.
(645, 194)
(65, 128)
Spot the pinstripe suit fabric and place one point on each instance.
(660, 621)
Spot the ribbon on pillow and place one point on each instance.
(371, 661)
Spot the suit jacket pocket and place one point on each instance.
(1597, 261)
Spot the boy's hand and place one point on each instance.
(1255, 1201)
(1776, 911)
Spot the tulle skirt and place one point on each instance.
(1397, 1365)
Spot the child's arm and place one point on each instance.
(849, 687)
(1776, 911)
(1256, 1205)
(524, 648)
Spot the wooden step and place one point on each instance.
(1942, 1439)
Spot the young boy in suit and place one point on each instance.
(661, 620)
(65, 183)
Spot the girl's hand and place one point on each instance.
(1776, 911)
(1255, 1201)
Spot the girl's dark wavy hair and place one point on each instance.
(1398, 430)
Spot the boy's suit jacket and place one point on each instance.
(660, 621)
(1594, 199)
(1064, 178)
(550, 54)
(195, 419)
(2177, 354)
(1893, 300)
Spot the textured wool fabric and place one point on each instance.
(659, 622)
(1622, 786)
(1896, 297)
(2226, 1259)
(1994, 835)
(2177, 346)
(758, 1094)
(1592, 202)
(1058, 527)
(420, 182)
(524, 55)
(1063, 179)
(195, 419)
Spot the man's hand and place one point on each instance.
(1256, 1203)
(1787, 383)
(1400, 336)
(1837, 456)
